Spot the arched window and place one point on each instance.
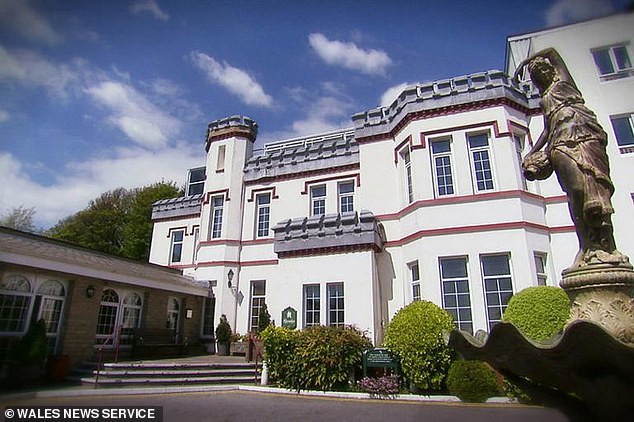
(48, 305)
(116, 314)
(52, 294)
(15, 300)
(132, 305)
(107, 319)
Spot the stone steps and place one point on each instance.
(166, 373)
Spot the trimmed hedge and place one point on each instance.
(416, 337)
(318, 358)
(473, 381)
(538, 312)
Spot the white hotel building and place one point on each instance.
(423, 199)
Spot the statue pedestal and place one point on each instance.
(603, 294)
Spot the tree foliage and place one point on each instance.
(137, 232)
(118, 222)
(19, 218)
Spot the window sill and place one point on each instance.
(618, 75)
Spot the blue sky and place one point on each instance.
(96, 95)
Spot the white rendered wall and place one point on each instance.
(160, 250)
(285, 281)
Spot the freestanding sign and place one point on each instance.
(379, 358)
(289, 318)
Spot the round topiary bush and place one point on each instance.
(416, 337)
(473, 381)
(538, 312)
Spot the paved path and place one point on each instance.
(233, 404)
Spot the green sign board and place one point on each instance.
(379, 358)
(289, 318)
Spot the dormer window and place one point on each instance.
(196, 181)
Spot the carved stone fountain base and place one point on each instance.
(603, 294)
(588, 370)
(585, 371)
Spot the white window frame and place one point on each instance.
(256, 303)
(220, 160)
(519, 140)
(198, 184)
(338, 309)
(478, 176)
(263, 215)
(541, 268)
(406, 157)
(312, 304)
(216, 216)
(38, 297)
(113, 312)
(435, 156)
(616, 70)
(626, 147)
(498, 288)
(348, 197)
(414, 277)
(450, 290)
(127, 316)
(51, 309)
(10, 294)
(177, 245)
(318, 201)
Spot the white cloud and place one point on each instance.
(324, 114)
(568, 11)
(235, 80)
(73, 187)
(20, 17)
(321, 111)
(149, 6)
(31, 69)
(392, 93)
(134, 114)
(348, 55)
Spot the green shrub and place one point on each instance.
(538, 312)
(264, 318)
(279, 351)
(318, 358)
(473, 381)
(416, 337)
(223, 331)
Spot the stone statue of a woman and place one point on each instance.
(573, 145)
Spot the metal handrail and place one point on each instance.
(255, 346)
(115, 337)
